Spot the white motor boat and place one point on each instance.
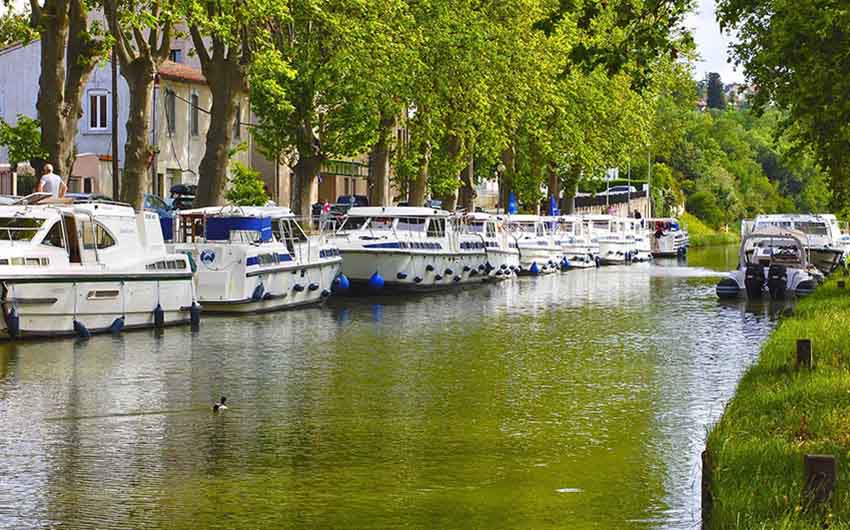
(255, 259)
(499, 244)
(538, 251)
(408, 248)
(81, 268)
(774, 260)
(822, 236)
(615, 237)
(667, 237)
(573, 237)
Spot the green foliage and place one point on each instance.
(15, 28)
(778, 415)
(22, 139)
(246, 186)
(796, 51)
(704, 205)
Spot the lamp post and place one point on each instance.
(500, 169)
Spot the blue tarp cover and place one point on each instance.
(219, 228)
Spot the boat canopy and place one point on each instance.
(785, 245)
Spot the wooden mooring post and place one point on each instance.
(821, 473)
(706, 488)
(804, 353)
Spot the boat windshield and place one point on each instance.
(411, 224)
(379, 223)
(475, 227)
(353, 223)
(812, 228)
(19, 228)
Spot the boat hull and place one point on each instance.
(411, 270)
(50, 306)
(280, 289)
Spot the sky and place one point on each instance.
(712, 45)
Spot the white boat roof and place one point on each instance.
(481, 216)
(240, 211)
(47, 210)
(523, 218)
(395, 211)
(598, 217)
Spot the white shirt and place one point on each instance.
(51, 183)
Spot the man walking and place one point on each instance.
(51, 183)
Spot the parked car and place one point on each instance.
(619, 189)
(182, 196)
(353, 200)
(85, 197)
(430, 203)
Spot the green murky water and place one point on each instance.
(572, 401)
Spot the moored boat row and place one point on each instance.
(80, 268)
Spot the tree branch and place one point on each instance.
(200, 46)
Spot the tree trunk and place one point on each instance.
(379, 165)
(554, 183)
(467, 187)
(212, 171)
(420, 185)
(67, 59)
(507, 181)
(137, 151)
(307, 176)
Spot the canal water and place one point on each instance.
(579, 400)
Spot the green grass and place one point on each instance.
(702, 235)
(778, 415)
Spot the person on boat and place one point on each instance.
(51, 183)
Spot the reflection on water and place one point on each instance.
(569, 401)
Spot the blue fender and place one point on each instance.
(376, 282)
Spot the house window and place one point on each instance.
(175, 56)
(97, 110)
(170, 110)
(237, 129)
(195, 128)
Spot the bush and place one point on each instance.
(703, 204)
(246, 187)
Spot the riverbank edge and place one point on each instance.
(753, 467)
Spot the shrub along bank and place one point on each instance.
(702, 235)
(780, 414)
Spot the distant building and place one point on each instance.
(180, 117)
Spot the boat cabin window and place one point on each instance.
(539, 231)
(491, 230)
(19, 228)
(381, 223)
(54, 236)
(567, 226)
(601, 225)
(96, 237)
(475, 227)
(437, 228)
(411, 224)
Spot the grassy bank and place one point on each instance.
(702, 235)
(780, 414)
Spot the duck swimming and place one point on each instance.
(220, 405)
